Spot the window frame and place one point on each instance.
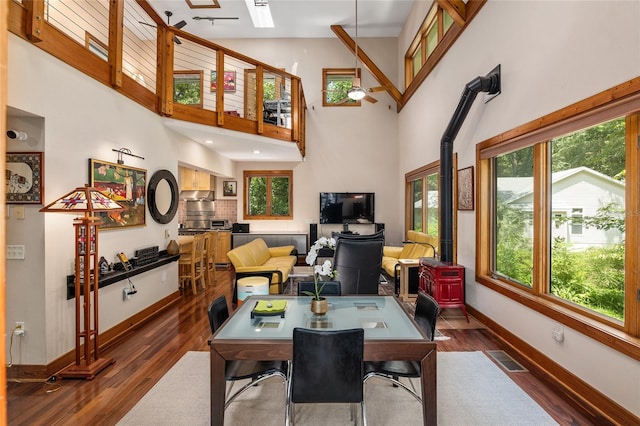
(269, 174)
(421, 173)
(197, 75)
(326, 73)
(620, 101)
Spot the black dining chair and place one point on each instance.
(330, 288)
(236, 370)
(426, 315)
(327, 367)
(358, 264)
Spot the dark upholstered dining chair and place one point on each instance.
(426, 315)
(358, 264)
(235, 370)
(327, 367)
(331, 288)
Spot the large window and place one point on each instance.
(423, 186)
(268, 194)
(558, 214)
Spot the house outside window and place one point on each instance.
(563, 198)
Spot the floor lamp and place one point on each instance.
(85, 200)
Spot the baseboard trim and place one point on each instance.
(107, 339)
(593, 403)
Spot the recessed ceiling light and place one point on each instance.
(208, 141)
(256, 151)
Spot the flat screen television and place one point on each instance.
(347, 207)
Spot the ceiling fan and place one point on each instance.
(179, 25)
(357, 92)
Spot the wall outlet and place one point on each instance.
(167, 234)
(18, 330)
(557, 333)
(15, 252)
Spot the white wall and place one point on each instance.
(82, 119)
(552, 55)
(349, 149)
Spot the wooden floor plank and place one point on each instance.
(148, 352)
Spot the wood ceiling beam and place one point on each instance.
(367, 62)
(456, 8)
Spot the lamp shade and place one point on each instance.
(356, 93)
(86, 199)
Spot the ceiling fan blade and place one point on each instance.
(379, 89)
(148, 25)
(176, 40)
(343, 101)
(370, 99)
(180, 24)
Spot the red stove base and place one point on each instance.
(444, 282)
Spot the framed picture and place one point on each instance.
(127, 185)
(25, 171)
(229, 188)
(229, 81)
(465, 188)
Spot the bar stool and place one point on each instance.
(209, 263)
(191, 264)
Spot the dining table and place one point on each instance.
(389, 332)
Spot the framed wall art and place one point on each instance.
(229, 81)
(465, 188)
(25, 171)
(229, 188)
(124, 184)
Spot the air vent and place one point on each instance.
(506, 362)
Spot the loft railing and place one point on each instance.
(126, 45)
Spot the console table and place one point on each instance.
(115, 276)
(273, 239)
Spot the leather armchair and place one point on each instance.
(358, 264)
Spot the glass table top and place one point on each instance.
(381, 317)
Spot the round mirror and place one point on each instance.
(162, 196)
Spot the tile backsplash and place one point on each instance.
(225, 209)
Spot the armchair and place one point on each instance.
(358, 264)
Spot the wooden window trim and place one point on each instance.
(268, 174)
(412, 84)
(409, 177)
(338, 71)
(621, 100)
(195, 72)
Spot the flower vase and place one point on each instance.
(319, 306)
(173, 248)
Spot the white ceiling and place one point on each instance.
(292, 19)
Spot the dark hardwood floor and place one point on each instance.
(150, 351)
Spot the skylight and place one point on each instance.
(260, 13)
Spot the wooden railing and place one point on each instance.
(127, 46)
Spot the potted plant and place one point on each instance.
(319, 303)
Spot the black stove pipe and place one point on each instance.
(491, 84)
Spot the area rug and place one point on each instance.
(472, 390)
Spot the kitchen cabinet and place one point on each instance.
(223, 246)
(194, 180)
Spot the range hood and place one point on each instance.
(197, 195)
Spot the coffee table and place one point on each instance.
(297, 274)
